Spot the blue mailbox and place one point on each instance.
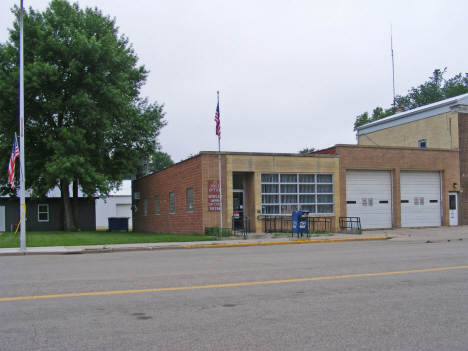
(300, 222)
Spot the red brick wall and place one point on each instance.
(192, 173)
(463, 148)
(329, 151)
(177, 179)
(398, 159)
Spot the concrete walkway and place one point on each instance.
(430, 235)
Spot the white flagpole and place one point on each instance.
(220, 187)
(22, 189)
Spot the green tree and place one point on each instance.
(307, 150)
(435, 89)
(85, 122)
(159, 161)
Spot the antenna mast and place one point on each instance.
(393, 65)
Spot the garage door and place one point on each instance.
(123, 210)
(369, 196)
(420, 199)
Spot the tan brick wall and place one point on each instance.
(463, 142)
(252, 165)
(210, 171)
(397, 159)
(440, 132)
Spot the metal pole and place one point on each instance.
(22, 189)
(220, 187)
(393, 65)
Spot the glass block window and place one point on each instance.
(158, 205)
(270, 188)
(190, 200)
(270, 178)
(172, 202)
(288, 178)
(283, 193)
(43, 213)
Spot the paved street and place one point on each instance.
(370, 295)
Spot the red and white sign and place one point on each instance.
(213, 195)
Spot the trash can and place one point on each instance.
(300, 223)
(118, 223)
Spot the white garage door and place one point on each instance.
(123, 210)
(420, 199)
(369, 196)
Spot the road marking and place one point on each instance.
(226, 285)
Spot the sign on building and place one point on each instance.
(213, 195)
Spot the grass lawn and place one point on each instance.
(38, 239)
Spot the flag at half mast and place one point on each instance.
(11, 165)
(218, 122)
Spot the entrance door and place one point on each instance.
(453, 204)
(238, 209)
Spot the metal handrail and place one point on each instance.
(241, 225)
(350, 223)
(282, 224)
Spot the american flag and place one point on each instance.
(11, 165)
(218, 122)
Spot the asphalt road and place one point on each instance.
(379, 295)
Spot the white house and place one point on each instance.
(118, 204)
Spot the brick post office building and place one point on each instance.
(377, 184)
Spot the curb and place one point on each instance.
(281, 243)
(200, 246)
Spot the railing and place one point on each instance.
(282, 224)
(320, 224)
(240, 225)
(350, 223)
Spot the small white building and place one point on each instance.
(118, 204)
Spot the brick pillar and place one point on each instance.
(463, 154)
(396, 201)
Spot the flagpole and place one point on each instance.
(220, 187)
(22, 189)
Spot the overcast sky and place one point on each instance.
(291, 74)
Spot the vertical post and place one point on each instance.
(22, 189)
(393, 65)
(220, 187)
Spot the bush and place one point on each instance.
(214, 231)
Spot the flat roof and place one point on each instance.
(264, 154)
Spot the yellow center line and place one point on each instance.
(226, 285)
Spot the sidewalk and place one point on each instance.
(422, 235)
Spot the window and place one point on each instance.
(422, 143)
(43, 213)
(145, 206)
(158, 205)
(190, 200)
(172, 202)
(287, 192)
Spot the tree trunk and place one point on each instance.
(69, 222)
(75, 203)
